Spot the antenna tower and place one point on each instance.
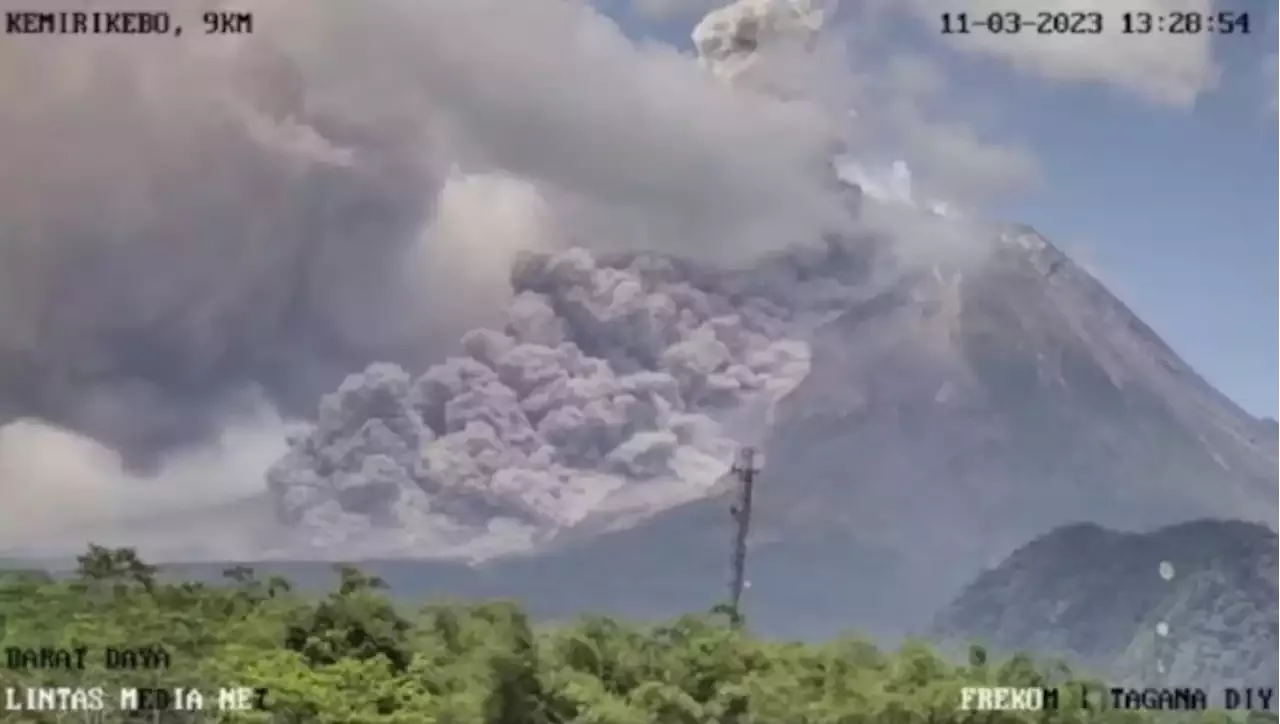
(745, 471)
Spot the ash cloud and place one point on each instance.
(617, 385)
(188, 222)
(187, 218)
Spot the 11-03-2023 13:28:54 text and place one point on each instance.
(1059, 23)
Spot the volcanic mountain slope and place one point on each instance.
(940, 420)
(1096, 596)
(961, 416)
(952, 418)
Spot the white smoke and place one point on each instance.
(892, 186)
(749, 35)
(74, 484)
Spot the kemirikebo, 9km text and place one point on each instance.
(34, 22)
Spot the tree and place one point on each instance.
(116, 565)
(353, 622)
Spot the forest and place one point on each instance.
(355, 655)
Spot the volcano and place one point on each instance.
(916, 431)
(916, 428)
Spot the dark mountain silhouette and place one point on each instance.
(1097, 597)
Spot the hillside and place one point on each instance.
(1097, 597)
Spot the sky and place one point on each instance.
(1150, 161)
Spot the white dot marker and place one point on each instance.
(1166, 570)
(1162, 629)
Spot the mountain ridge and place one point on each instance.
(1099, 597)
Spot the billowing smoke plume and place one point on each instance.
(617, 385)
(742, 41)
(184, 221)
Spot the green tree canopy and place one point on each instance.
(353, 656)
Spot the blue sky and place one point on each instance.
(1149, 171)
(1177, 210)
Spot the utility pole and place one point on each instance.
(745, 471)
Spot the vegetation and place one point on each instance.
(351, 657)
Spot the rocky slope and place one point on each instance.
(964, 414)
(1097, 596)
